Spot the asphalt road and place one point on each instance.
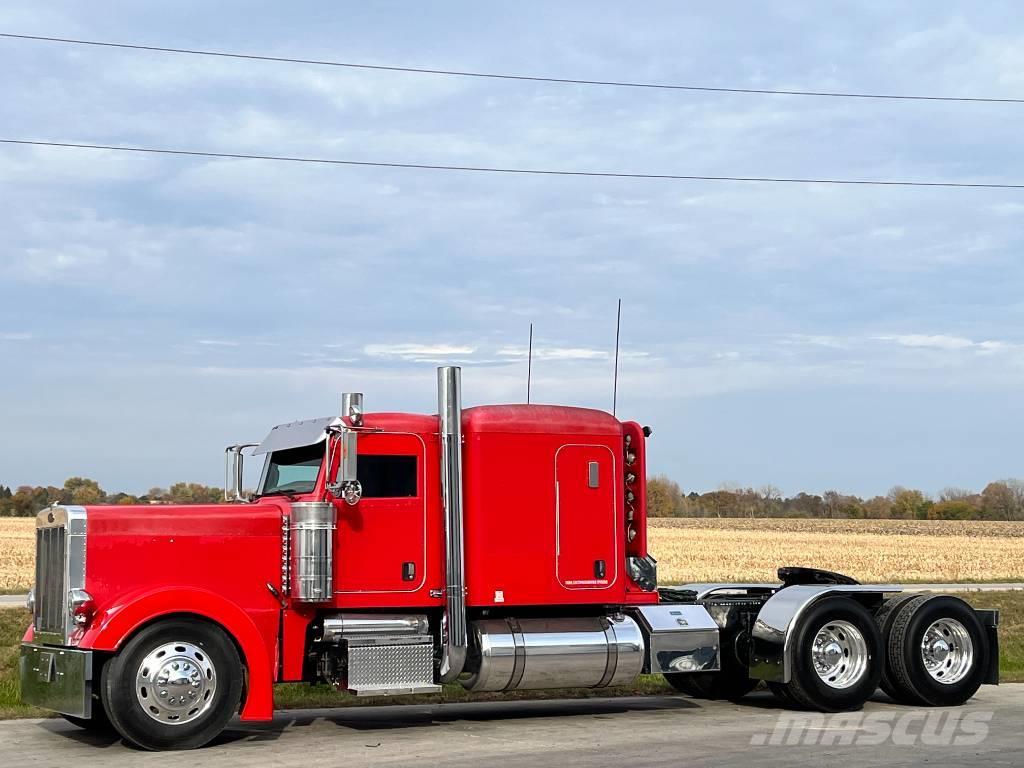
(643, 732)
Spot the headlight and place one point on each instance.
(81, 607)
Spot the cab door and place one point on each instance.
(381, 541)
(586, 550)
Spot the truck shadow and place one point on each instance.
(378, 718)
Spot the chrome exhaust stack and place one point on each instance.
(454, 634)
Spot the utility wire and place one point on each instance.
(497, 76)
(522, 171)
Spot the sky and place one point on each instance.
(812, 337)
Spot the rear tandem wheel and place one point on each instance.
(837, 662)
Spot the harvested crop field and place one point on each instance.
(719, 549)
(17, 553)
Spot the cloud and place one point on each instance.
(554, 353)
(15, 336)
(356, 273)
(420, 353)
(926, 341)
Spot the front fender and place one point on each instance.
(253, 630)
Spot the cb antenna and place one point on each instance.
(529, 364)
(615, 380)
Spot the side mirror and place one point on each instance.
(346, 482)
(234, 461)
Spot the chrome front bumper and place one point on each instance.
(59, 679)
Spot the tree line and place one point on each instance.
(27, 500)
(1000, 500)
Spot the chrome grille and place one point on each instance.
(51, 579)
(60, 571)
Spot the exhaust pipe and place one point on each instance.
(454, 637)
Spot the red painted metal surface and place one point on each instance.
(536, 526)
(377, 537)
(514, 555)
(214, 561)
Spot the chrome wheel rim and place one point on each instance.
(947, 651)
(176, 683)
(839, 654)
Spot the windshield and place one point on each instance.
(293, 470)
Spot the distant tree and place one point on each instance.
(878, 508)
(193, 493)
(771, 500)
(998, 502)
(805, 505)
(832, 503)
(955, 494)
(156, 494)
(719, 504)
(82, 491)
(1017, 489)
(839, 505)
(952, 509)
(664, 497)
(909, 504)
(122, 499)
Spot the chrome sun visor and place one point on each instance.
(296, 434)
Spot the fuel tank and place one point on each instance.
(581, 652)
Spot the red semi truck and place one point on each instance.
(501, 547)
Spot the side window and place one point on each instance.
(387, 477)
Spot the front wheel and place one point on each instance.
(175, 685)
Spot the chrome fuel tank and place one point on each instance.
(586, 652)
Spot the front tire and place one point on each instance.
(837, 663)
(175, 685)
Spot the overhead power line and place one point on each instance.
(499, 76)
(494, 169)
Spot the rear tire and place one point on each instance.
(781, 692)
(837, 663)
(885, 618)
(175, 685)
(938, 652)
